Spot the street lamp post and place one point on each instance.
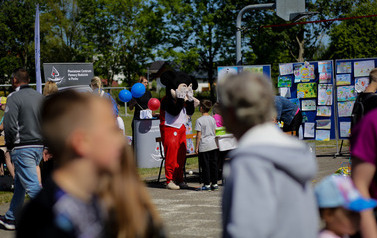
(239, 29)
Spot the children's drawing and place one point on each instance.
(324, 67)
(309, 130)
(285, 92)
(324, 111)
(284, 81)
(361, 84)
(325, 94)
(345, 129)
(224, 72)
(345, 108)
(190, 142)
(322, 135)
(324, 124)
(346, 93)
(343, 67)
(253, 69)
(308, 105)
(343, 79)
(306, 90)
(304, 73)
(286, 69)
(325, 78)
(362, 68)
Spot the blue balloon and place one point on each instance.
(125, 95)
(138, 90)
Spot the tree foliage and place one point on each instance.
(355, 38)
(124, 36)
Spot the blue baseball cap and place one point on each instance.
(339, 191)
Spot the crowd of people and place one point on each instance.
(94, 189)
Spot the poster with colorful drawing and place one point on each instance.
(284, 81)
(308, 105)
(361, 84)
(309, 130)
(346, 93)
(345, 108)
(306, 90)
(343, 67)
(345, 129)
(362, 68)
(324, 67)
(285, 92)
(324, 124)
(325, 78)
(324, 111)
(325, 94)
(322, 135)
(190, 143)
(224, 72)
(304, 73)
(343, 79)
(253, 69)
(286, 69)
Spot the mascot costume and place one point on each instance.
(176, 106)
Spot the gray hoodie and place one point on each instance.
(268, 192)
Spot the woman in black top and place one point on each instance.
(139, 103)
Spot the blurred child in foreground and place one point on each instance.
(131, 212)
(340, 204)
(83, 137)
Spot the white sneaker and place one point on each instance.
(172, 186)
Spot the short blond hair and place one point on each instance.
(251, 96)
(96, 82)
(50, 88)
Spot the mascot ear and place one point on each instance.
(194, 83)
(167, 78)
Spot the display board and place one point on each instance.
(310, 85)
(225, 71)
(67, 75)
(351, 77)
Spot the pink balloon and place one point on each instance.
(153, 104)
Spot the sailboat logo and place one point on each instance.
(55, 76)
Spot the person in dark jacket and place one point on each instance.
(367, 100)
(139, 104)
(23, 138)
(289, 113)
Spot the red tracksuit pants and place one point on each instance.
(174, 141)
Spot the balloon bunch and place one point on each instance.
(137, 91)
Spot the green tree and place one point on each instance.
(356, 38)
(199, 35)
(119, 35)
(17, 36)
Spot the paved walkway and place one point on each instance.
(190, 213)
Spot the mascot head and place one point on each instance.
(177, 80)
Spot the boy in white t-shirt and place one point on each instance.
(206, 146)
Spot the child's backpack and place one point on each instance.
(359, 108)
